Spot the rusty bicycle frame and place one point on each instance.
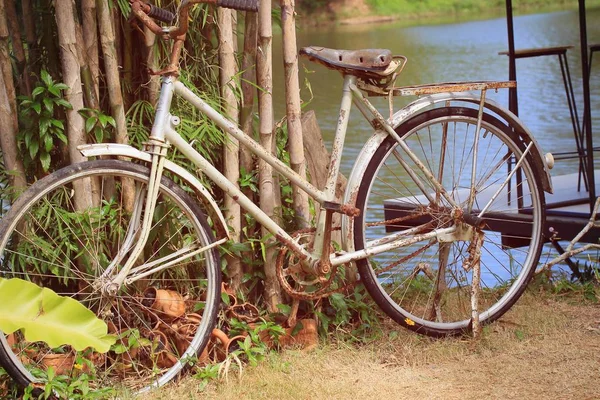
(319, 260)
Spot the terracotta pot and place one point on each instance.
(165, 359)
(10, 339)
(62, 363)
(167, 302)
(244, 312)
(306, 338)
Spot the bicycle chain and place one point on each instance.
(323, 292)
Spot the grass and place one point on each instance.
(545, 347)
(419, 9)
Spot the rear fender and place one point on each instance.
(420, 105)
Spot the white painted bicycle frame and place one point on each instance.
(164, 134)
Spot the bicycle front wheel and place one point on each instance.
(489, 193)
(61, 238)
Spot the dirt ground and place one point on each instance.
(544, 348)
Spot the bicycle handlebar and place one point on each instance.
(139, 8)
(240, 5)
(161, 14)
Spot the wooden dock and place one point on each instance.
(567, 211)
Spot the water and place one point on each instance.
(460, 51)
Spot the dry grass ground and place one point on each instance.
(544, 348)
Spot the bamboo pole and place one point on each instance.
(264, 77)
(17, 47)
(153, 85)
(294, 125)
(66, 20)
(231, 161)
(30, 36)
(8, 114)
(113, 83)
(90, 40)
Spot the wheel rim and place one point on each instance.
(161, 320)
(413, 292)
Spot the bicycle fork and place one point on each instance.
(141, 220)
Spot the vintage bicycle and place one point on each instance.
(445, 198)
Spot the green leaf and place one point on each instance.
(58, 123)
(54, 90)
(62, 137)
(46, 78)
(98, 134)
(89, 124)
(34, 146)
(48, 143)
(45, 160)
(49, 105)
(37, 91)
(37, 107)
(42, 315)
(64, 103)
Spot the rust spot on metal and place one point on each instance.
(452, 87)
(349, 210)
(290, 244)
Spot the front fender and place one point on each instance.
(123, 150)
(414, 108)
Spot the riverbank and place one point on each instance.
(546, 346)
(352, 12)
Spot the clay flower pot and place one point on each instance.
(62, 363)
(167, 302)
(244, 312)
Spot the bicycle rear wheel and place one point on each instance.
(425, 285)
(162, 318)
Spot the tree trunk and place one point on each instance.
(31, 37)
(48, 39)
(17, 47)
(248, 90)
(231, 161)
(90, 39)
(153, 86)
(8, 114)
(247, 112)
(265, 105)
(66, 20)
(292, 93)
(127, 80)
(113, 83)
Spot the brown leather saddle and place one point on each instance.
(371, 63)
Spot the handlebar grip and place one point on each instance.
(240, 5)
(161, 14)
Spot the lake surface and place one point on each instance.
(459, 51)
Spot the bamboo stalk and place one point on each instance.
(66, 20)
(90, 40)
(264, 78)
(17, 47)
(231, 161)
(8, 115)
(113, 83)
(153, 85)
(292, 93)
(30, 36)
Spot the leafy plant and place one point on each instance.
(67, 388)
(43, 129)
(97, 123)
(42, 315)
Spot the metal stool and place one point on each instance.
(561, 53)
